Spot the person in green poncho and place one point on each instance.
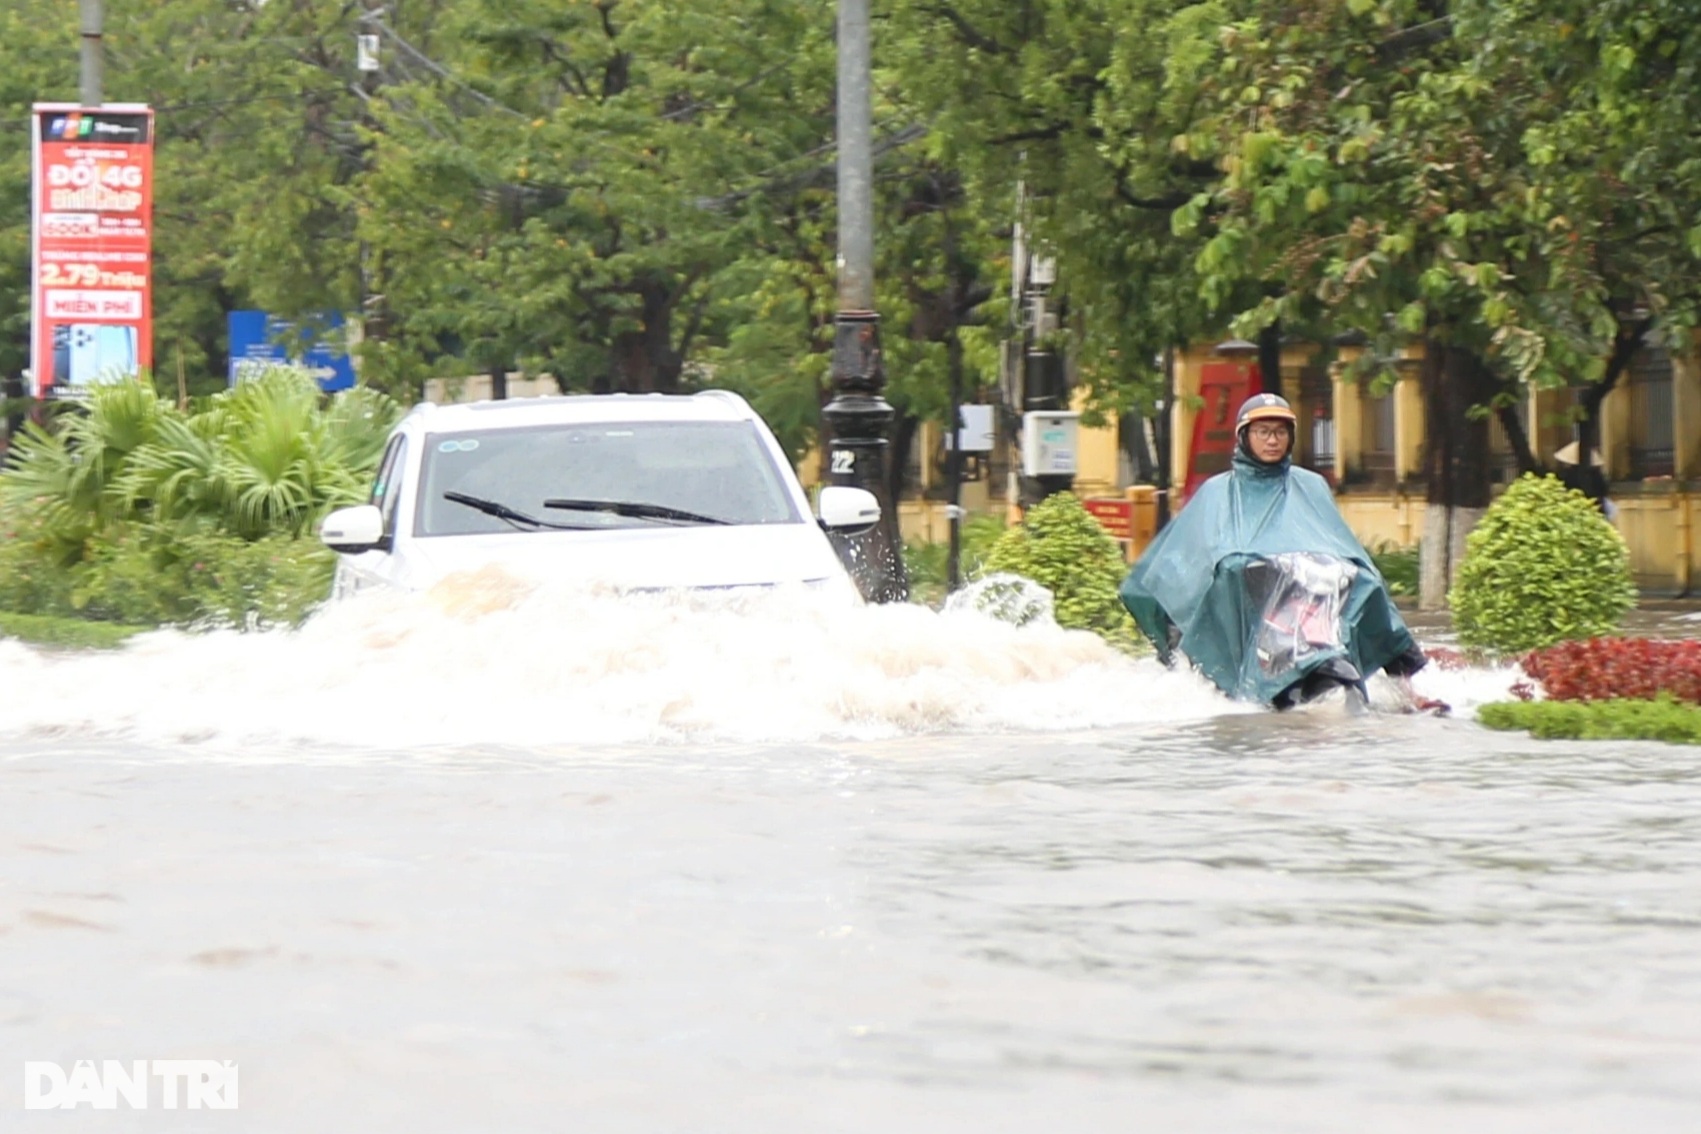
(1261, 585)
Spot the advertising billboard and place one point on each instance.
(91, 310)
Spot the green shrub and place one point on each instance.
(926, 561)
(35, 576)
(274, 581)
(128, 509)
(1543, 566)
(76, 633)
(1062, 548)
(1398, 567)
(271, 455)
(1662, 719)
(151, 575)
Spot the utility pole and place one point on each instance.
(1164, 435)
(858, 416)
(954, 454)
(1050, 430)
(93, 14)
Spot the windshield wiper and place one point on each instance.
(512, 515)
(636, 511)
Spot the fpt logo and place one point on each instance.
(70, 128)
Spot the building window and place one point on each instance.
(1649, 387)
(1316, 412)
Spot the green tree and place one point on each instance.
(37, 46)
(564, 187)
(1453, 173)
(1080, 104)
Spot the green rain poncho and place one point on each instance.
(1204, 584)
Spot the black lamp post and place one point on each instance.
(858, 417)
(1164, 434)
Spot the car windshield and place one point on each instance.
(719, 470)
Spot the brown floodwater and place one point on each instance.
(673, 869)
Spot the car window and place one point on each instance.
(719, 469)
(387, 485)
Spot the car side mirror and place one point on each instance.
(843, 508)
(353, 530)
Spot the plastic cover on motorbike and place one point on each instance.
(1260, 583)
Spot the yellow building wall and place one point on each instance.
(1658, 527)
(1657, 520)
(1099, 458)
(1686, 414)
(1382, 519)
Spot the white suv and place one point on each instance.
(643, 492)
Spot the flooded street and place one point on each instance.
(701, 870)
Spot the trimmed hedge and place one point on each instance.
(1543, 566)
(78, 633)
(1661, 719)
(1062, 548)
(152, 575)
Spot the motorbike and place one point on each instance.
(1300, 600)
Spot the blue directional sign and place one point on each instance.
(259, 339)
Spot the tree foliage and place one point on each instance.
(267, 457)
(639, 196)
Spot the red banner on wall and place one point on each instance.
(1223, 386)
(91, 245)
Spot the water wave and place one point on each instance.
(485, 658)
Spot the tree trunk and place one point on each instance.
(1624, 348)
(1519, 440)
(1456, 463)
(644, 358)
(898, 463)
(498, 383)
(1131, 431)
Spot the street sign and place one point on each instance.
(977, 432)
(1115, 515)
(259, 340)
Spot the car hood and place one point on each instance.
(637, 558)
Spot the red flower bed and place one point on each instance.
(1604, 668)
(1446, 659)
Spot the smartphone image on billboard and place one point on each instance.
(86, 353)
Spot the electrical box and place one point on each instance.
(1050, 443)
(976, 435)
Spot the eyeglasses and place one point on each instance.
(1268, 432)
